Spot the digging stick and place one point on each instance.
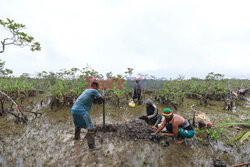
(103, 108)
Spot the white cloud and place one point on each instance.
(163, 37)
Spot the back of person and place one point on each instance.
(182, 122)
(84, 101)
(150, 110)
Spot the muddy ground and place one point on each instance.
(47, 140)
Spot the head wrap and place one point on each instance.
(167, 112)
(149, 102)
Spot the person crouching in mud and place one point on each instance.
(80, 111)
(180, 126)
(152, 113)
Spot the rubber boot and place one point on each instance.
(90, 136)
(77, 133)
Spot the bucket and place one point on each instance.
(131, 104)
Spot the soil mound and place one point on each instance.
(133, 129)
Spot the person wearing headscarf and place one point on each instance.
(152, 115)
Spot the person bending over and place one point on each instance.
(180, 127)
(80, 112)
(151, 113)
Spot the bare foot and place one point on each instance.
(180, 141)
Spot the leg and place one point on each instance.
(139, 99)
(81, 120)
(76, 119)
(77, 133)
(183, 133)
(90, 136)
(180, 140)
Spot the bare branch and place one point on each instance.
(17, 107)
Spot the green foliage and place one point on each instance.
(73, 82)
(229, 123)
(19, 38)
(213, 134)
(240, 137)
(129, 72)
(58, 89)
(244, 136)
(214, 76)
(4, 71)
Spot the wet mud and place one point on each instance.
(47, 139)
(134, 129)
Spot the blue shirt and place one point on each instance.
(84, 101)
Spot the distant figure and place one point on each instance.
(137, 91)
(234, 94)
(80, 111)
(243, 92)
(180, 127)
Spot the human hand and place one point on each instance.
(163, 134)
(153, 134)
(153, 127)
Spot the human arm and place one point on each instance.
(98, 97)
(175, 131)
(157, 122)
(161, 127)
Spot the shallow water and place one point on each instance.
(47, 140)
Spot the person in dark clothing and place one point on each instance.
(137, 91)
(180, 126)
(151, 113)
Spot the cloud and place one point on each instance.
(191, 38)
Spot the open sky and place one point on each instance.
(164, 38)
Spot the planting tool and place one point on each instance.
(103, 107)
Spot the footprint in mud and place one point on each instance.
(165, 144)
(157, 139)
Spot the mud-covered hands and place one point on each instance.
(154, 127)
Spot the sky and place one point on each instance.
(164, 38)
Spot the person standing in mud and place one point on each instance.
(81, 117)
(181, 128)
(137, 91)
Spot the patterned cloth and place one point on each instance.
(185, 133)
(82, 120)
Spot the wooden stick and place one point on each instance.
(243, 164)
(103, 108)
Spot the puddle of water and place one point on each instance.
(48, 141)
